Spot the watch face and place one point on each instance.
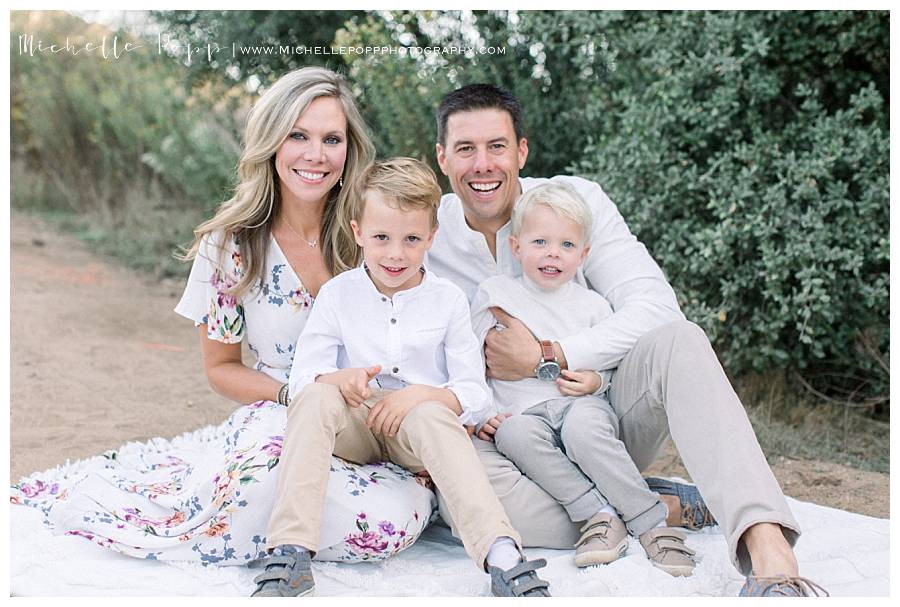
(548, 370)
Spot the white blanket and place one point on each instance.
(848, 554)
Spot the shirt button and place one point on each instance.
(396, 369)
(393, 321)
(384, 299)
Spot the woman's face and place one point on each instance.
(311, 158)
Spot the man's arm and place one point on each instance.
(619, 268)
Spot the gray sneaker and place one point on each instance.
(521, 580)
(288, 573)
(781, 586)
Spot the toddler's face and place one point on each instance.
(394, 242)
(550, 247)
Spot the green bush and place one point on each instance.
(755, 168)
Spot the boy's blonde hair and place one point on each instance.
(406, 182)
(561, 198)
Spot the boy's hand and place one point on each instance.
(489, 428)
(578, 383)
(388, 413)
(354, 383)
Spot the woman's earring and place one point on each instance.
(341, 181)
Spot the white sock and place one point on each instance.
(504, 554)
(608, 509)
(663, 522)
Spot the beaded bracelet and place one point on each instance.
(283, 398)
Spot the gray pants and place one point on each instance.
(570, 447)
(669, 383)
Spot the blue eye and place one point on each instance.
(380, 237)
(297, 136)
(332, 140)
(569, 245)
(539, 242)
(413, 239)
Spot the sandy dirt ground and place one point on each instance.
(98, 358)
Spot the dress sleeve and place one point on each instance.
(206, 300)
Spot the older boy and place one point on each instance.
(393, 324)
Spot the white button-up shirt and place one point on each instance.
(422, 335)
(618, 267)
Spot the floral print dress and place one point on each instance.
(209, 499)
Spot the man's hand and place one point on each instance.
(353, 383)
(388, 413)
(578, 383)
(512, 353)
(489, 428)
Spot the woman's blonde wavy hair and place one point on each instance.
(249, 214)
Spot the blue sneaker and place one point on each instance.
(782, 585)
(694, 513)
(288, 573)
(521, 580)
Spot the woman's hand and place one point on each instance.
(489, 428)
(578, 383)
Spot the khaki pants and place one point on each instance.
(430, 438)
(671, 383)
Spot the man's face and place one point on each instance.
(482, 159)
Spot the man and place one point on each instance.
(668, 380)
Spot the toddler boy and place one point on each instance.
(558, 427)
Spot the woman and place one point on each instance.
(258, 265)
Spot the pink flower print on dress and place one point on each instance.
(274, 446)
(368, 543)
(38, 488)
(218, 528)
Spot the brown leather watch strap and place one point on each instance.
(547, 353)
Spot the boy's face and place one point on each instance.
(394, 242)
(550, 247)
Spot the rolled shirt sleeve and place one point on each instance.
(318, 346)
(465, 365)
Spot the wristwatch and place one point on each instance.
(548, 368)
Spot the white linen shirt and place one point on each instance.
(422, 335)
(618, 267)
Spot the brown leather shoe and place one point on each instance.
(603, 540)
(666, 550)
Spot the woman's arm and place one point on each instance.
(229, 376)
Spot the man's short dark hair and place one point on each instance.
(478, 97)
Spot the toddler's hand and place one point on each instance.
(354, 386)
(578, 383)
(489, 428)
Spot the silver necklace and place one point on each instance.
(311, 244)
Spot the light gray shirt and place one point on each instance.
(548, 314)
(618, 267)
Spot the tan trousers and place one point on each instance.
(430, 438)
(671, 383)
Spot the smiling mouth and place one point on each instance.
(484, 189)
(310, 176)
(393, 271)
(550, 270)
